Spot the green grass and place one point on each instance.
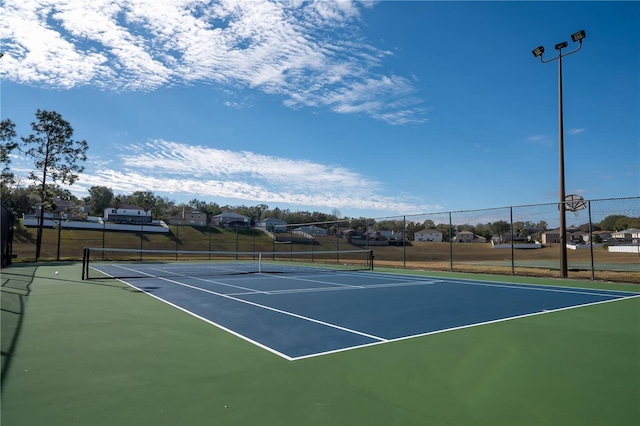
(100, 353)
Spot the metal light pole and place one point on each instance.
(537, 52)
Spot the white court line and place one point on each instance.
(317, 281)
(319, 289)
(380, 340)
(535, 287)
(251, 290)
(269, 308)
(510, 284)
(544, 312)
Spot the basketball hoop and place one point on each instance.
(574, 203)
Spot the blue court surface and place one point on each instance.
(303, 314)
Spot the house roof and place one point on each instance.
(125, 207)
(231, 214)
(629, 231)
(273, 220)
(429, 231)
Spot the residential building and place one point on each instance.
(553, 236)
(272, 224)
(127, 214)
(231, 220)
(64, 209)
(468, 237)
(627, 236)
(189, 217)
(431, 235)
(311, 230)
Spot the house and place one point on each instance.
(311, 230)
(189, 217)
(428, 235)
(553, 236)
(231, 220)
(65, 209)
(272, 224)
(603, 236)
(468, 237)
(392, 235)
(578, 237)
(375, 236)
(627, 236)
(127, 214)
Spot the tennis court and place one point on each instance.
(102, 352)
(300, 310)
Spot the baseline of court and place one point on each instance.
(302, 315)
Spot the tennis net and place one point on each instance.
(133, 263)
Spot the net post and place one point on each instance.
(260, 262)
(85, 261)
(371, 260)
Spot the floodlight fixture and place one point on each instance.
(561, 45)
(538, 51)
(578, 36)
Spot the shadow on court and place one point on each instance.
(16, 287)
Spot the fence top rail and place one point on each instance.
(499, 208)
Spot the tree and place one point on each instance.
(358, 224)
(613, 222)
(484, 230)
(164, 207)
(7, 144)
(144, 199)
(259, 209)
(500, 228)
(100, 198)
(446, 231)
(412, 228)
(56, 157)
(20, 200)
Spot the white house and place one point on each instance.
(311, 230)
(627, 236)
(428, 235)
(127, 214)
(272, 224)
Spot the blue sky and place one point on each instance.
(370, 108)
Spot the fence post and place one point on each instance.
(59, 235)
(593, 271)
(404, 244)
(104, 226)
(513, 265)
(450, 244)
(141, 234)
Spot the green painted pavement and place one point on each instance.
(100, 353)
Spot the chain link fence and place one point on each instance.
(602, 240)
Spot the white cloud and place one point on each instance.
(309, 53)
(576, 131)
(540, 139)
(174, 169)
